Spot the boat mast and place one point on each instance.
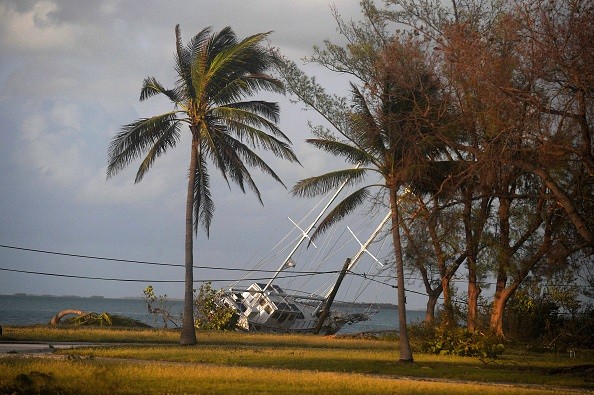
(355, 259)
(288, 262)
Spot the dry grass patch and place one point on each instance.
(102, 377)
(306, 353)
(70, 333)
(540, 371)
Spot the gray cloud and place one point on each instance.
(70, 75)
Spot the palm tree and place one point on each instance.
(216, 72)
(389, 134)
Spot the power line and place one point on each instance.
(88, 256)
(89, 277)
(141, 280)
(101, 258)
(370, 278)
(150, 262)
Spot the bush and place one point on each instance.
(159, 305)
(443, 340)
(211, 313)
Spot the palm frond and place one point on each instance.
(168, 139)
(342, 209)
(251, 57)
(219, 41)
(223, 91)
(324, 183)
(266, 109)
(199, 43)
(244, 116)
(250, 157)
(256, 138)
(203, 203)
(234, 154)
(339, 148)
(136, 138)
(183, 64)
(152, 87)
(238, 60)
(239, 114)
(364, 128)
(209, 138)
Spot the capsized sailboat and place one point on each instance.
(269, 308)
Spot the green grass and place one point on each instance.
(224, 362)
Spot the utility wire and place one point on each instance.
(370, 278)
(286, 276)
(100, 258)
(140, 280)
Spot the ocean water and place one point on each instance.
(35, 309)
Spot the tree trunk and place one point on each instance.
(188, 332)
(473, 294)
(448, 307)
(56, 319)
(433, 294)
(499, 303)
(431, 303)
(473, 230)
(502, 295)
(404, 343)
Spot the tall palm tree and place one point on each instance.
(216, 72)
(390, 134)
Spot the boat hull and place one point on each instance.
(269, 309)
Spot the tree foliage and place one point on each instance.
(211, 313)
(483, 111)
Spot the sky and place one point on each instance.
(70, 77)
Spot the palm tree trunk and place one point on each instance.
(404, 343)
(188, 332)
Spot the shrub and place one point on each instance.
(444, 340)
(159, 306)
(211, 312)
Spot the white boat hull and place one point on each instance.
(271, 310)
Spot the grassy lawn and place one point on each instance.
(225, 362)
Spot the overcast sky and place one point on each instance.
(70, 76)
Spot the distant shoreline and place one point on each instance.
(387, 306)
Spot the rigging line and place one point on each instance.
(315, 263)
(305, 202)
(365, 284)
(268, 253)
(128, 280)
(271, 257)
